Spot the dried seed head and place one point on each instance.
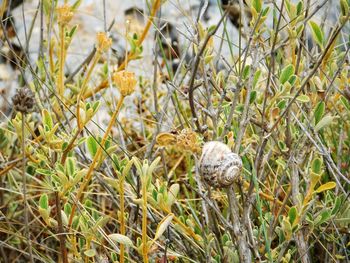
(23, 101)
(103, 42)
(187, 141)
(125, 81)
(166, 139)
(64, 14)
(219, 166)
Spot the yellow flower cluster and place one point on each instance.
(64, 14)
(103, 42)
(125, 81)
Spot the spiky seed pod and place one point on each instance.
(23, 100)
(219, 166)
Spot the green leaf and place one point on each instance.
(337, 204)
(292, 80)
(325, 187)
(44, 202)
(299, 7)
(257, 5)
(303, 98)
(325, 215)
(43, 171)
(121, 239)
(292, 214)
(211, 28)
(345, 102)
(256, 78)
(64, 146)
(70, 166)
(91, 145)
(246, 72)
(265, 12)
(317, 33)
(325, 121)
(316, 165)
(90, 253)
(72, 31)
(67, 209)
(76, 5)
(344, 7)
(252, 96)
(287, 72)
(96, 105)
(47, 120)
(319, 111)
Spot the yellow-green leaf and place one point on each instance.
(326, 120)
(162, 226)
(286, 73)
(303, 98)
(317, 33)
(47, 120)
(90, 253)
(121, 239)
(325, 187)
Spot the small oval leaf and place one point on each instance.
(90, 253)
(326, 120)
(121, 239)
(317, 33)
(287, 72)
(303, 98)
(319, 111)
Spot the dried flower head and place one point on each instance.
(23, 101)
(125, 81)
(187, 141)
(103, 42)
(166, 139)
(64, 14)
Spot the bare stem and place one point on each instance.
(60, 81)
(26, 213)
(144, 221)
(122, 217)
(60, 228)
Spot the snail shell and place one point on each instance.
(219, 166)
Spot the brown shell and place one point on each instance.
(219, 166)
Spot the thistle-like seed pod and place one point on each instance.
(219, 166)
(23, 100)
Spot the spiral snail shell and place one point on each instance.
(219, 166)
